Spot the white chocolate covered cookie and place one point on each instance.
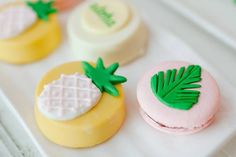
(110, 29)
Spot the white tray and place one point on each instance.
(136, 138)
(12, 132)
(215, 16)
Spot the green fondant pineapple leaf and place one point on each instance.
(42, 9)
(176, 88)
(104, 78)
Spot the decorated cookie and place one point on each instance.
(108, 28)
(178, 97)
(80, 104)
(28, 31)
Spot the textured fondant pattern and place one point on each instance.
(15, 20)
(68, 97)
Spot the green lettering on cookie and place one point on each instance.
(103, 14)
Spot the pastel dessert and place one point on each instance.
(29, 31)
(108, 28)
(79, 104)
(178, 97)
(62, 5)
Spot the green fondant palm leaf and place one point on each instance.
(104, 78)
(175, 88)
(42, 9)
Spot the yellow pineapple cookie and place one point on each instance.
(80, 105)
(29, 31)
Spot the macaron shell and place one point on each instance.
(176, 131)
(208, 103)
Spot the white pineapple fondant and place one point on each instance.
(15, 20)
(68, 97)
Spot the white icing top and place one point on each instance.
(68, 97)
(15, 20)
(105, 16)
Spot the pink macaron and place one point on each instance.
(62, 5)
(178, 97)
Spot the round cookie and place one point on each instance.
(28, 32)
(108, 28)
(179, 98)
(84, 121)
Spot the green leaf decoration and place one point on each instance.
(176, 88)
(42, 9)
(104, 78)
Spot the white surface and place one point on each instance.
(12, 133)
(215, 16)
(163, 46)
(4, 151)
(8, 147)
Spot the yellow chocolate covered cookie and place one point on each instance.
(28, 32)
(78, 105)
